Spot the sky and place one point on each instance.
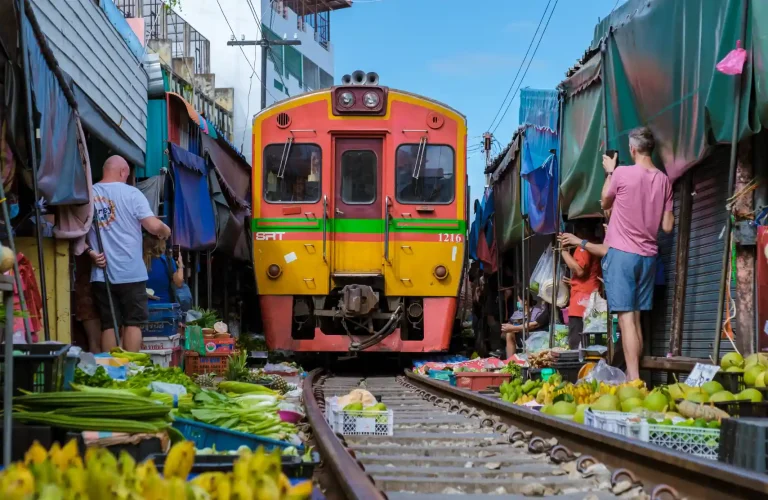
(464, 53)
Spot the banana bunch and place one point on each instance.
(139, 358)
(61, 473)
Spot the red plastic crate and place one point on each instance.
(479, 381)
(178, 356)
(194, 364)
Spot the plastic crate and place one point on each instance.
(731, 381)
(70, 365)
(696, 441)
(478, 381)
(615, 422)
(163, 320)
(40, 369)
(177, 359)
(293, 467)
(208, 436)
(744, 409)
(744, 443)
(357, 423)
(154, 343)
(443, 376)
(194, 364)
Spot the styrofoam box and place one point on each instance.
(160, 357)
(155, 343)
(615, 422)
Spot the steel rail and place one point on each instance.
(655, 467)
(357, 485)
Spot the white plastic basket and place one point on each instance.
(689, 440)
(157, 343)
(616, 422)
(356, 423)
(160, 357)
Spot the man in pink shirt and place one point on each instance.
(640, 199)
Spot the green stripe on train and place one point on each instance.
(369, 226)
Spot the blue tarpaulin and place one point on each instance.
(193, 221)
(117, 19)
(538, 165)
(473, 233)
(156, 157)
(61, 174)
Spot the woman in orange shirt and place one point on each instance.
(585, 279)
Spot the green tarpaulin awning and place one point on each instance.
(506, 193)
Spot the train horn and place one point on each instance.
(346, 80)
(372, 78)
(358, 78)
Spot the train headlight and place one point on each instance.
(440, 272)
(371, 100)
(274, 271)
(346, 100)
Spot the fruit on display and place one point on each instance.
(722, 396)
(754, 359)
(630, 404)
(63, 473)
(751, 395)
(712, 387)
(629, 392)
(751, 374)
(607, 402)
(697, 396)
(563, 408)
(656, 401)
(578, 417)
(731, 360)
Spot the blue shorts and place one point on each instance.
(629, 280)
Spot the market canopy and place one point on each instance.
(581, 172)
(234, 174)
(506, 190)
(193, 218)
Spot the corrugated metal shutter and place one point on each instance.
(710, 181)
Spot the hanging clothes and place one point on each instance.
(74, 221)
(32, 296)
(152, 189)
(193, 227)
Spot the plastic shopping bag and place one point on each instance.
(543, 269)
(596, 314)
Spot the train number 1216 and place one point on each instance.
(451, 238)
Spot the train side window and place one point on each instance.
(358, 177)
(433, 182)
(296, 180)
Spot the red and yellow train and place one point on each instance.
(360, 217)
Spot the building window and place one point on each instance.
(293, 64)
(326, 80)
(311, 75)
(279, 86)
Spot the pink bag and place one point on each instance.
(733, 63)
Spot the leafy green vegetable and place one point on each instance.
(171, 375)
(210, 317)
(100, 378)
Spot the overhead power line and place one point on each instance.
(543, 32)
(511, 86)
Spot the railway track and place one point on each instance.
(450, 441)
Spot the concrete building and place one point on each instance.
(290, 70)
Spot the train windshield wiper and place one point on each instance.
(420, 154)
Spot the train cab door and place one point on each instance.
(357, 208)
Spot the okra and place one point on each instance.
(89, 424)
(122, 411)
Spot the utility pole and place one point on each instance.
(264, 43)
(487, 141)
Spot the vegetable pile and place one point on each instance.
(63, 473)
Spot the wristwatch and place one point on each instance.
(583, 244)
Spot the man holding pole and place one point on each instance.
(121, 212)
(640, 198)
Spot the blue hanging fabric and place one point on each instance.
(194, 226)
(539, 111)
(61, 175)
(473, 232)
